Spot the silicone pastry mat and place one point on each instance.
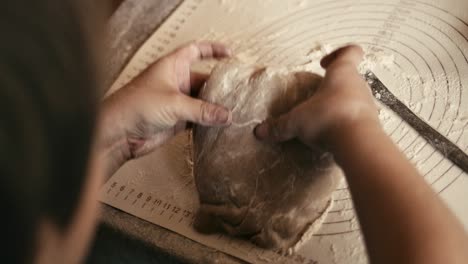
(419, 49)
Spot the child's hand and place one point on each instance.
(157, 104)
(344, 99)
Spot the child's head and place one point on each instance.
(47, 108)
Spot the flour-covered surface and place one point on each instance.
(417, 48)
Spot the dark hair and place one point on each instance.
(47, 109)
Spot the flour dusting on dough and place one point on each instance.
(268, 193)
(247, 123)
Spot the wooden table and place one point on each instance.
(131, 24)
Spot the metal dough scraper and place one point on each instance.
(432, 136)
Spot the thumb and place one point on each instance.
(297, 123)
(351, 53)
(202, 112)
(277, 130)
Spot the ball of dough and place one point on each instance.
(268, 193)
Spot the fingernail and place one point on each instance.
(261, 131)
(223, 116)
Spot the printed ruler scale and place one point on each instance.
(423, 46)
(149, 207)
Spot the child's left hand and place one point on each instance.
(156, 105)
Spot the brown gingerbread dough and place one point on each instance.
(268, 193)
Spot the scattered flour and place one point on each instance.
(377, 59)
(312, 229)
(319, 51)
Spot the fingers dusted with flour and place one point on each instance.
(195, 51)
(202, 112)
(186, 107)
(280, 129)
(156, 104)
(352, 54)
(343, 115)
(175, 66)
(342, 97)
(303, 122)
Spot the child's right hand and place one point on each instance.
(402, 218)
(343, 101)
